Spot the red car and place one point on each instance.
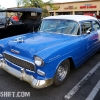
(98, 17)
(16, 18)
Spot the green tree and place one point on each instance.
(36, 3)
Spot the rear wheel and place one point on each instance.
(62, 73)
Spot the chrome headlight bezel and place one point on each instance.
(38, 61)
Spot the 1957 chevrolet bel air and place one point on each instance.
(45, 57)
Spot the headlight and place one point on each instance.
(38, 61)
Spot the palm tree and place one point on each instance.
(36, 3)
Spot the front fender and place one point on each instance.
(61, 51)
(56, 54)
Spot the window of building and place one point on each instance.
(63, 13)
(51, 14)
(79, 13)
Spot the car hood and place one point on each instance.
(35, 42)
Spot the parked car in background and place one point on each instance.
(25, 21)
(2, 21)
(98, 17)
(94, 15)
(45, 57)
(2, 18)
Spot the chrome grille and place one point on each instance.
(19, 62)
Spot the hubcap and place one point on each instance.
(62, 72)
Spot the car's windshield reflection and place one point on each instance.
(59, 26)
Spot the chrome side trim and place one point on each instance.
(28, 78)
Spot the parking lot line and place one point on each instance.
(79, 84)
(94, 91)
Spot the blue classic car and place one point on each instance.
(45, 57)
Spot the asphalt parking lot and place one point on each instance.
(11, 84)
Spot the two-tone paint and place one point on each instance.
(52, 48)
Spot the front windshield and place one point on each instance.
(59, 26)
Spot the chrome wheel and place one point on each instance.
(62, 73)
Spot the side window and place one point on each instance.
(75, 30)
(86, 26)
(96, 26)
(71, 27)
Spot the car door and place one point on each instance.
(88, 38)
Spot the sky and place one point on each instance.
(13, 3)
(8, 3)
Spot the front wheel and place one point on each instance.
(62, 73)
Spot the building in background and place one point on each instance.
(89, 7)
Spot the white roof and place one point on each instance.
(72, 17)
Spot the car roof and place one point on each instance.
(72, 17)
(2, 10)
(39, 10)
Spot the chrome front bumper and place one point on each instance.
(23, 76)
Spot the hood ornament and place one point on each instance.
(19, 40)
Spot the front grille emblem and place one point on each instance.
(15, 51)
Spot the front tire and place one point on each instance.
(61, 73)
